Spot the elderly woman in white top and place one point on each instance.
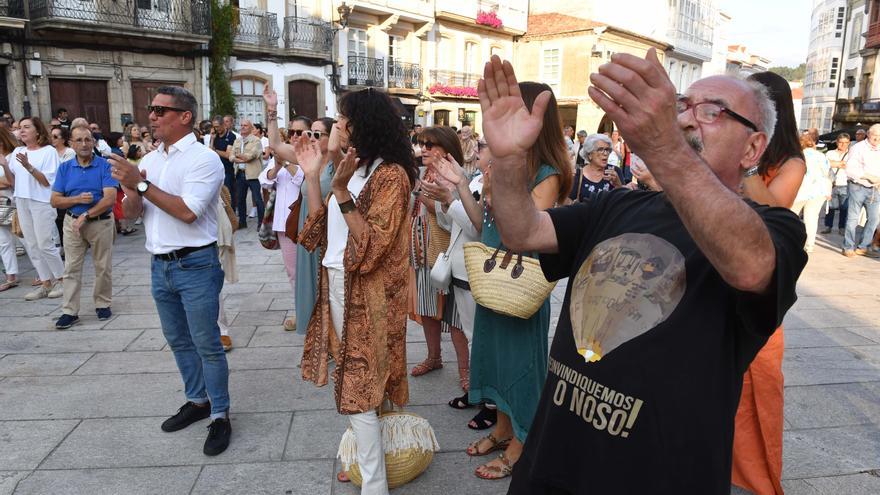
(32, 174)
(287, 178)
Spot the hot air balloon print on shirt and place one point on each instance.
(628, 285)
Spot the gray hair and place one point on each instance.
(766, 107)
(582, 133)
(182, 98)
(591, 143)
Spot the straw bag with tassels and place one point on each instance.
(516, 290)
(409, 444)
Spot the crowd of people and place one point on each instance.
(363, 210)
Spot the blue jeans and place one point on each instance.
(860, 196)
(187, 295)
(837, 203)
(243, 185)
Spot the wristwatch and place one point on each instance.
(142, 187)
(347, 207)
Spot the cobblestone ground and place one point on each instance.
(80, 409)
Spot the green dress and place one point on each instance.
(509, 355)
(306, 290)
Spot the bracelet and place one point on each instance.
(750, 172)
(272, 114)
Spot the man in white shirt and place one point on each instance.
(176, 188)
(863, 172)
(837, 158)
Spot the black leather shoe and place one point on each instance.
(188, 414)
(219, 432)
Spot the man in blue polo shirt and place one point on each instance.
(84, 187)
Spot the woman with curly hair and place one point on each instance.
(362, 230)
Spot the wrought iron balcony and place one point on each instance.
(453, 78)
(256, 27)
(176, 16)
(366, 71)
(312, 35)
(12, 8)
(403, 75)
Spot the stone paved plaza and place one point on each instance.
(80, 409)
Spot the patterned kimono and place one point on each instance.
(371, 359)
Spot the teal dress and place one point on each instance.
(306, 290)
(509, 355)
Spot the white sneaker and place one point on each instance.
(57, 290)
(253, 213)
(39, 292)
(139, 221)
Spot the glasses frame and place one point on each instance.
(722, 110)
(428, 145)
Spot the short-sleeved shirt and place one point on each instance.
(588, 188)
(655, 414)
(45, 160)
(221, 142)
(194, 173)
(73, 179)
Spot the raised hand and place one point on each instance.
(345, 170)
(270, 97)
(449, 170)
(308, 156)
(510, 129)
(638, 96)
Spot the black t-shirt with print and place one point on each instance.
(656, 413)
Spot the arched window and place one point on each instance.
(249, 104)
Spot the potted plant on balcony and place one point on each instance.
(489, 18)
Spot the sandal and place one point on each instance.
(128, 231)
(342, 477)
(426, 366)
(473, 449)
(464, 378)
(484, 419)
(497, 473)
(36, 282)
(9, 284)
(460, 402)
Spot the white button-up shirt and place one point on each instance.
(194, 173)
(863, 159)
(286, 192)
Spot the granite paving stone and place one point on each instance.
(66, 341)
(820, 452)
(24, 444)
(822, 406)
(130, 481)
(138, 442)
(287, 478)
(9, 479)
(42, 364)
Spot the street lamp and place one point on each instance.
(344, 12)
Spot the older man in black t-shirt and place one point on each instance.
(671, 294)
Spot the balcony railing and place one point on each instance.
(180, 16)
(857, 109)
(873, 36)
(403, 75)
(452, 78)
(12, 8)
(366, 71)
(255, 27)
(308, 34)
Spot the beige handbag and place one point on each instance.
(16, 225)
(516, 290)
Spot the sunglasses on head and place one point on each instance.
(428, 145)
(160, 110)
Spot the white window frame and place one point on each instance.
(556, 84)
(358, 38)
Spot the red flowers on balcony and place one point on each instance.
(489, 18)
(440, 88)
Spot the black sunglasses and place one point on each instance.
(428, 145)
(159, 110)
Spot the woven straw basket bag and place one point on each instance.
(409, 444)
(517, 289)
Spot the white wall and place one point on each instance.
(280, 73)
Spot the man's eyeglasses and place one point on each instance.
(160, 110)
(707, 112)
(428, 145)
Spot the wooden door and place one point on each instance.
(82, 98)
(142, 93)
(303, 97)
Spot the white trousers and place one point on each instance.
(811, 209)
(466, 308)
(366, 427)
(7, 250)
(37, 221)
